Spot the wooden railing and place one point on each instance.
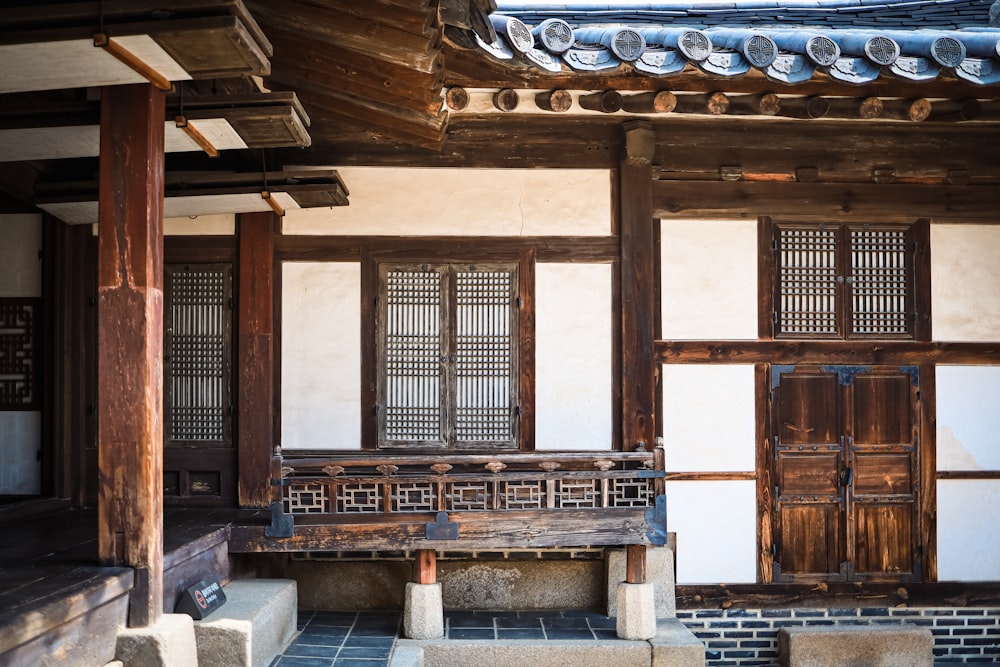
(464, 501)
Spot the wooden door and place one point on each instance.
(845, 462)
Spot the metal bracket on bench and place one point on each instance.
(441, 528)
(282, 525)
(656, 522)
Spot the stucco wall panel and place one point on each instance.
(321, 355)
(573, 347)
(968, 534)
(464, 202)
(709, 279)
(20, 261)
(965, 282)
(968, 417)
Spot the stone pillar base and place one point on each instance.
(636, 611)
(423, 612)
(167, 643)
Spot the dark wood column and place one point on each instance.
(130, 341)
(255, 365)
(638, 286)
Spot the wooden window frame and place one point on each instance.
(918, 281)
(523, 353)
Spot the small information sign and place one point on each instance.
(202, 599)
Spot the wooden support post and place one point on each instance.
(637, 286)
(426, 566)
(255, 322)
(130, 342)
(635, 564)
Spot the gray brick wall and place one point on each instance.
(746, 637)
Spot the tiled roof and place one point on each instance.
(853, 41)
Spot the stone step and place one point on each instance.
(869, 645)
(254, 625)
(673, 646)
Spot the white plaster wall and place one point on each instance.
(716, 526)
(968, 534)
(573, 347)
(466, 202)
(708, 417)
(20, 266)
(201, 225)
(20, 438)
(968, 417)
(321, 355)
(965, 282)
(709, 279)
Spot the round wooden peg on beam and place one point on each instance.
(608, 101)
(506, 99)
(554, 100)
(871, 108)
(717, 104)
(457, 98)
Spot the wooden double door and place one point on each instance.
(845, 473)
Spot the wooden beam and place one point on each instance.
(829, 202)
(829, 351)
(637, 287)
(130, 342)
(255, 349)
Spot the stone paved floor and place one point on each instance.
(365, 639)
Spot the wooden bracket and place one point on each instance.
(196, 136)
(128, 58)
(272, 202)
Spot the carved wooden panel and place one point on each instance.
(19, 350)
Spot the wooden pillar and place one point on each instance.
(255, 322)
(635, 564)
(130, 342)
(638, 286)
(426, 566)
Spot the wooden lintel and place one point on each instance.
(829, 351)
(869, 202)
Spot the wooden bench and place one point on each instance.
(868, 645)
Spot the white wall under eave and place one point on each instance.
(716, 526)
(709, 417)
(201, 225)
(321, 355)
(965, 282)
(709, 279)
(573, 349)
(968, 529)
(403, 201)
(20, 258)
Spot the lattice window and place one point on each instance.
(197, 354)
(447, 362)
(844, 281)
(19, 352)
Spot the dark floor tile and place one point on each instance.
(603, 622)
(361, 662)
(520, 633)
(469, 620)
(503, 614)
(605, 633)
(539, 614)
(358, 641)
(566, 624)
(334, 617)
(305, 662)
(569, 633)
(471, 633)
(311, 651)
(582, 613)
(533, 623)
(365, 652)
(320, 638)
